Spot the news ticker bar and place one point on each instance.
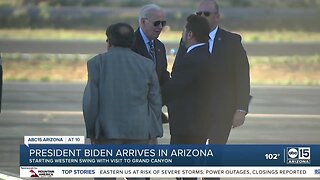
(168, 155)
(239, 172)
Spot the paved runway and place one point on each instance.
(278, 115)
(94, 47)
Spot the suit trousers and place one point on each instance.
(119, 141)
(189, 140)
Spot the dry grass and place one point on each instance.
(296, 70)
(283, 75)
(263, 70)
(51, 71)
(166, 35)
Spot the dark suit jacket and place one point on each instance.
(233, 83)
(188, 94)
(161, 60)
(160, 53)
(233, 80)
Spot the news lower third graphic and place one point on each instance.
(70, 157)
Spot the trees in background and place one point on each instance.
(166, 3)
(93, 14)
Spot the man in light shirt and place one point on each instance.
(121, 101)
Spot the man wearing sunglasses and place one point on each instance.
(152, 19)
(233, 92)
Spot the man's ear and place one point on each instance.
(190, 35)
(218, 16)
(142, 21)
(109, 45)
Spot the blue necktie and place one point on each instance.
(152, 51)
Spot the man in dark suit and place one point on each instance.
(232, 94)
(151, 22)
(233, 90)
(188, 93)
(122, 101)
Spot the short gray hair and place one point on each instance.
(145, 10)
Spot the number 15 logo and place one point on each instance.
(304, 153)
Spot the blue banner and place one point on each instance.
(169, 155)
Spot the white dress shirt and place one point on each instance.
(145, 39)
(194, 46)
(212, 35)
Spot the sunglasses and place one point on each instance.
(157, 23)
(205, 13)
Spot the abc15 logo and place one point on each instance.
(301, 153)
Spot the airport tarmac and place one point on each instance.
(278, 115)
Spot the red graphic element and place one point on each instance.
(33, 174)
